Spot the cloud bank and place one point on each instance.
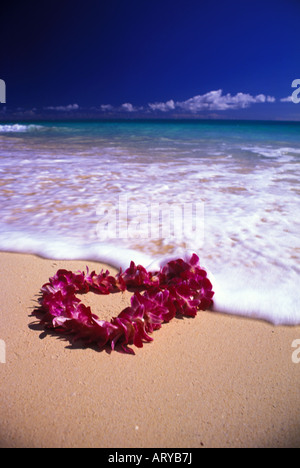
(212, 101)
(163, 106)
(212, 104)
(69, 108)
(287, 99)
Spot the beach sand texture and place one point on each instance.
(212, 381)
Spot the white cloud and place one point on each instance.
(213, 100)
(287, 99)
(162, 106)
(68, 108)
(128, 107)
(106, 107)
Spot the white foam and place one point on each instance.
(18, 128)
(67, 249)
(283, 154)
(257, 297)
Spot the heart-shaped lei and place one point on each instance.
(180, 287)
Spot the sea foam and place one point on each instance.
(18, 128)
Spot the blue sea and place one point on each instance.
(154, 190)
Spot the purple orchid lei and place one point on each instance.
(179, 288)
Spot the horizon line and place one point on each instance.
(143, 119)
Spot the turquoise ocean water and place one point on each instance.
(229, 191)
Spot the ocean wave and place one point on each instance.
(284, 154)
(258, 295)
(19, 128)
(34, 128)
(67, 249)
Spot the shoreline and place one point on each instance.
(212, 381)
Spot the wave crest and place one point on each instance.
(19, 128)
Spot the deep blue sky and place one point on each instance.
(78, 56)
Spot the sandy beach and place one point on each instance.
(213, 381)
